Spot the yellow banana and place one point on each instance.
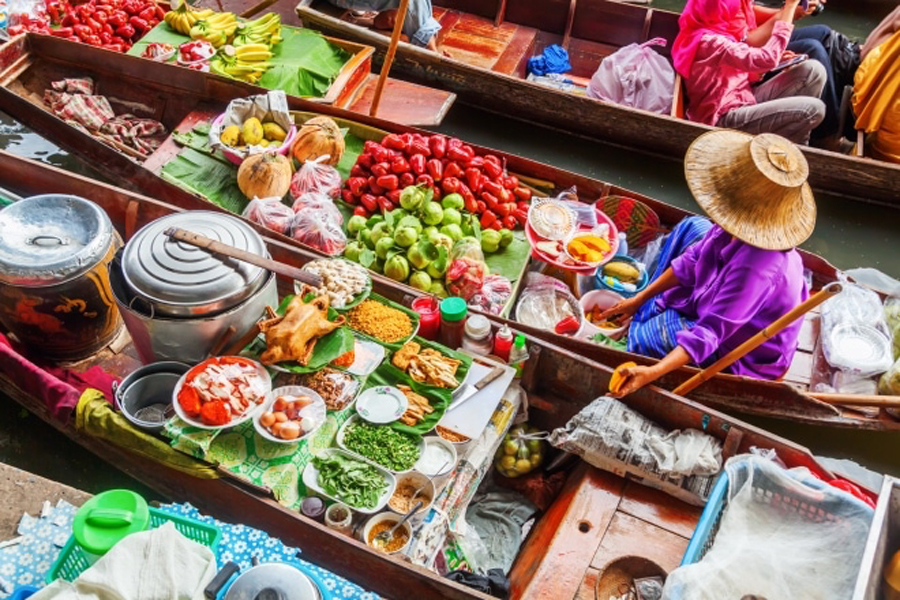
(251, 49)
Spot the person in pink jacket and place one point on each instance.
(723, 73)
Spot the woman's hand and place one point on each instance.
(621, 311)
(788, 55)
(634, 378)
(810, 10)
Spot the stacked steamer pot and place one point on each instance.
(178, 301)
(55, 298)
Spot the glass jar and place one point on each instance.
(429, 311)
(453, 321)
(477, 335)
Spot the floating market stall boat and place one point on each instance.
(182, 99)
(490, 43)
(596, 520)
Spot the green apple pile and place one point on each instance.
(520, 452)
(412, 244)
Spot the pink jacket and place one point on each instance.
(723, 70)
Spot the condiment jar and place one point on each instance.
(518, 354)
(503, 342)
(340, 518)
(429, 311)
(313, 507)
(477, 335)
(453, 321)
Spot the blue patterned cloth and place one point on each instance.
(554, 59)
(28, 562)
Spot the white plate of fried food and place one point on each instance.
(427, 365)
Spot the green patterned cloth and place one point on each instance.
(241, 451)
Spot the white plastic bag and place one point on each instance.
(270, 213)
(688, 452)
(636, 76)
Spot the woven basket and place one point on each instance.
(639, 222)
(618, 575)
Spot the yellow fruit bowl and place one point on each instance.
(237, 158)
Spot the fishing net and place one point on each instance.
(783, 535)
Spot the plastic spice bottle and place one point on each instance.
(340, 518)
(477, 335)
(518, 354)
(453, 321)
(503, 342)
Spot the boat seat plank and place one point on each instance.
(630, 536)
(406, 102)
(808, 333)
(476, 41)
(517, 52)
(800, 371)
(660, 509)
(169, 148)
(564, 541)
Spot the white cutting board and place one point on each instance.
(471, 418)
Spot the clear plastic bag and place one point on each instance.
(636, 76)
(271, 213)
(320, 230)
(317, 201)
(890, 382)
(546, 301)
(892, 318)
(316, 176)
(493, 295)
(854, 333)
(467, 270)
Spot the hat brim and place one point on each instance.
(724, 181)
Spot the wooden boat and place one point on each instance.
(180, 98)
(597, 517)
(491, 42)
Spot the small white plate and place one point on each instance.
(382, 404)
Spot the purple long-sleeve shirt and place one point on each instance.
(733, 290)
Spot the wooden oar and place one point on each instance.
(570, 21)
(757, 340)
(858, 400)
(389, 57)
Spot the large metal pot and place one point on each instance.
(54, 280)
(178, 300)
(145, 396)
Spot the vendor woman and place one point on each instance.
(743, 272)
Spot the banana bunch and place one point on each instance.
(264, 30)
(245, 63)
(216, 29)
(184, 17)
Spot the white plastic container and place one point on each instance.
(603, 299)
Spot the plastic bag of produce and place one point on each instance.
(892, 316)
(547, 303)
(521, 452)
(319, 229)
(636, 76)
(317, 201)
(263, 110)
(316, 176)
(889, 383)
(493, 295)
(467, 270)
(270, 213)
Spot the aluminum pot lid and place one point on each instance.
(273, 581)
(51, 238)
(169, 273)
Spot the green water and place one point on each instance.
(848, 234)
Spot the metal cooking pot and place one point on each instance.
(269, 581)
(187, 340)
(147, 393)
(173, 279)
(54, 285)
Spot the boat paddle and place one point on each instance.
(389, 57)
(829, 291)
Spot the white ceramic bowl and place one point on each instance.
(434, 440)
(603, 299)
(392, 519)
(416, 480)
(248, 414)
(316, 411)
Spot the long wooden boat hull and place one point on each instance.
(29, 63)
(616, 24)
(596, 518)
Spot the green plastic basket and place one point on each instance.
(73, 560)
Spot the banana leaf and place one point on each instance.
(388, 374)
(207, 176)
(461, 372)
(413, 316)
(328, 347)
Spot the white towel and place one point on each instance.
(159, 564)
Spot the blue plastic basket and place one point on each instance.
(73, 560)
(765, 491)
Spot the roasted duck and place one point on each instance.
(293, 337)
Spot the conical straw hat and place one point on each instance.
(753, 187)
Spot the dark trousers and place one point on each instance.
(809, 40)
